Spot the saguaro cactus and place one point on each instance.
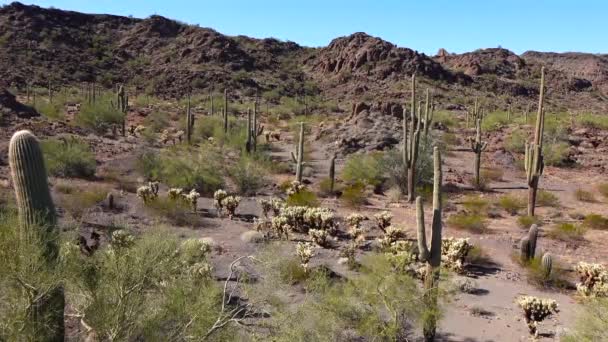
(477, 146)
(38, 220)
(257, 129)
(547, 264)
(211, 110)
(189, 122)
(431, 256)
(428, 114)
(411, 144)
(225, 110)
(527, 245)
(249, 142)
(122, 101)
(332, 173)
(298, 158)
(533, 160)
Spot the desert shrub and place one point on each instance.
(494, 121)
(516, 141)
(526, 221)
(472, 222)
(248, 175)
(363, 168)
(77, 201)
(392, 167)
(537, 275)
(511, 204)
(184, 168)
(359, 304)
(209, 127)
(447, 118)
(545, 198)
(603, 189)
(566, 231)
(185, 305)
(53, 111)
(476, 204)
(556, 154)
(304, 198)
(591, 322)
(354, 195)
(99, 116)
(177, 211)
(596, 221)
(157, 121)
(325, 187)
(584, 195)
(491, 174)
(69, 157)
(596, 121)
(477, 256)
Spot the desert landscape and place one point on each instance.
(161, 181)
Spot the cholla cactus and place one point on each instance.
(383, 220)
(536, 310)
(391, 235)
(121, 239)
(354, 220)
(175, 193)
(194, 250)
(192, 198)
(305, 252)
(594, 280)
(260, 225)
(320, 218)
(200, 270)
(294, 188)
(218, 197)
(273, 204)
(320, 237)
(295, 217)
(154, 187)
(231, 203)
(139, 129)
(281, 227)
(453, 253)
(147, 193)
(349, 252)
(403, 257)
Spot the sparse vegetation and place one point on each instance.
(596, 221)
(567, 231)
(526, 221)
(472, 222)
(584, 196)
(69, 157)
(511, 204)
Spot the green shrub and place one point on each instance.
(157, 121)
(591, 323)
(392, 167)
(303, 198)
(589, 120)
(184, 167)
(53, 111)
(536, 275)
(472, 222)
(494, 121)
(476, 204)
(584, 196)
(99, 116)
(491, 174)
(596, 221)
(516, 141)
(325, 187)
(526, 221)
(566, 231)
(511, 204)
(546, 199)
(248, 175)
(354, 195)
(77, 201)
(177, 211)
(70, 157)
(556, 154)
(603, 189)
(363, 168)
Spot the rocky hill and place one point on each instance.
(166, 57)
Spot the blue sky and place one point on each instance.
(458, 26)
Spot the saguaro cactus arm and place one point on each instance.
(432, 254)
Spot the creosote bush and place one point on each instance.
(472, 222)
(596, 221)
(354, 195)
(591, 323)
(69, 157)
(567, 231)
(526, 221)
(584, 196)
(511, 204)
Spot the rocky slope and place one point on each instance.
(167, 57)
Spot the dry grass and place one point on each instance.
(568, 232)
(596, 221)
(471, 222)
(584, 196)
(511, 204)
(526, 221)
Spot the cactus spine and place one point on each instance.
(533, 159)
(477, 146)
(411, 144)
(298, 158)
(547, 264)
(431, 256)
(38, 219)
(225, 110)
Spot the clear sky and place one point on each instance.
(426, 26)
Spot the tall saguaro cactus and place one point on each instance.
(533, 159)
(477, 146)
(298, 158)
(189, 121)
(249, 142)
(225, 110)
(428, 114)
(332, 173)
(431, 256)
(37, 218)
(411, 143)
(122, 101)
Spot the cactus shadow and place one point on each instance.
(481, 270)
